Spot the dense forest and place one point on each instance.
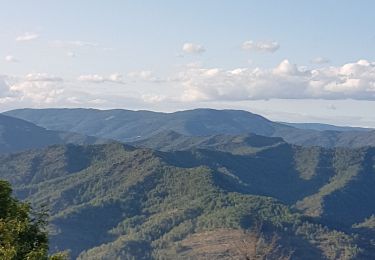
(109, 201)
(176, 195)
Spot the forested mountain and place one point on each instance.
(114, 200)
(17, 135)
(193, 184)
(237, 144)
(126, 125)
(318, 182)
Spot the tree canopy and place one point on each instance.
(22, 233)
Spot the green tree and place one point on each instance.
(22, 235)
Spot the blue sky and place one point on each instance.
(288, 60)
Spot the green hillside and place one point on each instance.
(322, 182)
(236, 144)
(116, 201)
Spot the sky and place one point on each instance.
(296, 61)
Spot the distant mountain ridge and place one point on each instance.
(128, 126)
(124, 125)
(17, 135)
(327, 127)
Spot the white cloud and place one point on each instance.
(286, 68)
(10, 58)
(116, 78)
(92, 78)
(150, 98)
(193, 48)
(95, 78)
(39, 92)
(262, 46)
(144, 75)
(31, 89)
(141, 74)
(193, 84)
(320, 60)
(40, 77)
(285, 81)
(28, 36)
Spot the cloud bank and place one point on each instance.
(285, 81)
(194, 84)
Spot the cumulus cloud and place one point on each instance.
(95, 78)
(39, 92)
(285, 81)
(193, 48)
(31, 89)
(10, 58)
(261, 46)
(320, 60)
(27, 36)
(42, 90)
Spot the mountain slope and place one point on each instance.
(322, 182)
(127, 126)
(107, 201)
(17, 135)
(236, 144)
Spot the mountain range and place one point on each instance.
(198, 184)
(115, 201)
(128, 126)
(327, 127)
